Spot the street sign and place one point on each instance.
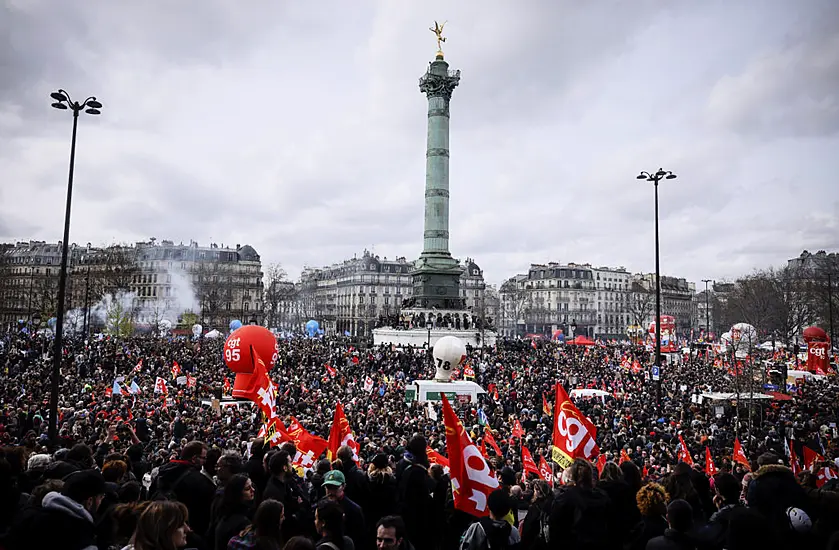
(656, 373)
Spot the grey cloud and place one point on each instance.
(301, 131)
(790, 91)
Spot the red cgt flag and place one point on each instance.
(545, 470)
(682, 452)
(527, 462)
(341, 434)
(710, 469)
(739, 456)
(436, 458)
(472, 478)
(574, 436)
(518, 431)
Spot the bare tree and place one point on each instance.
(515, 303)
(641, 304)
(277, 294)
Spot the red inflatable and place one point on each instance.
(239, 358)
(815, 334)
(237, 348)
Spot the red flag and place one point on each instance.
(527, 462)
(546, 409)
(274, 432)
(109, 392)
(811, 457)
(601, 461)
(160, 386)
(191, 382)
(436, 458)
(332, 372)
(624, 457)
(309, 447)
(739, 456)
(574, 436)
(491, 440)
(483, 449)
(793, 461)
(710, 469)
(825, 474)
(545, 470)
(682, 452)
(472, 478)
(260, 389)
(226, 385)
(176, 369)
(518, 431)
(341, 434)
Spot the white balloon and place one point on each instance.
(743, 339)
(196, 330)
(449, 353)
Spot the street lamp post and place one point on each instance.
(90, 106)
(707, 310)
(655, 178)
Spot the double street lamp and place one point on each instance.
(656, 177)
(91, 106)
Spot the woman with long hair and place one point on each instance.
(329, 522)
(162, 526)
(235, 510)
(265, 531)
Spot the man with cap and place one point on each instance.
(334, 483)
(65, 519)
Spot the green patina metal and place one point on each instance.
(436, 278)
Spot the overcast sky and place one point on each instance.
(299, 128)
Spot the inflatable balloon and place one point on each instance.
(164, 325)
(235, 324)
(449, 353)
(237, 348)
(815, 334)
(743, 339)
(196, 330)
(312, 328)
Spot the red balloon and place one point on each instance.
(815, 334)
(237, 349)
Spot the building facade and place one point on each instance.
(548, 298)
(358, 294)
(147, 283)
(678, 299)
(613, 292)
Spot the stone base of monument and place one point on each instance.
(463, 391)
(418, 337)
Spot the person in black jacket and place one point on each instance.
(236, 510)
(414, 488)
(183, 479)
(357, 488)
(334, 483)
(676, 536)
(64, 520)
(727, 500)
(581, 513)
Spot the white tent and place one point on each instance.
(212, 334)
(731, 396)
(590, 393)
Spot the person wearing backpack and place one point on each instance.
(493, 532)
(534, 528)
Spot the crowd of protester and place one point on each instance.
(142, 471)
